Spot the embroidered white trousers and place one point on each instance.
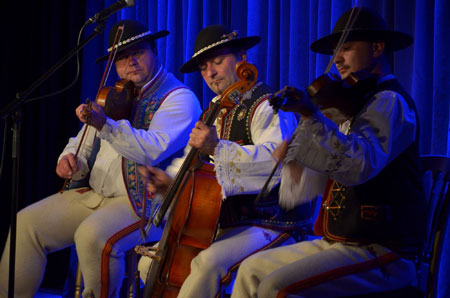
(320, 269)
(213, 264)
(85, 219)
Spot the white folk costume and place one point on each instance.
(367, 244)
(248, 133)
(371, 219)
(242, 162)
(103, 219)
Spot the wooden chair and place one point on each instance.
(436, 180)
(133, 283)
(439, 214)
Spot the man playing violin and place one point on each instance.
(239, 145)
(103, 218)
(372, 220)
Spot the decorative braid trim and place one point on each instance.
(227, 37)
(124, 42)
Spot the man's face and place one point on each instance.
(218, 70)
(354, 56)
(137, 63)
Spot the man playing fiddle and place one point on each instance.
(372, 220)
(240, 147)
(103, 219)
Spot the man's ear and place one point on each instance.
(241, 55)
(378, 48)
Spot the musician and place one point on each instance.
(102, 219)
(372, 218)
(240, 146)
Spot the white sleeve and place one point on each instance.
(168, 131)
(85, 150)
(244, 169)
(382, 130)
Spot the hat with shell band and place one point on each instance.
(133, 33)
(216, 37)
(369, 26)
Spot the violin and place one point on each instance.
(117, 101)
(328, 91)
(196, 200)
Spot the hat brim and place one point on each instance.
(242, 43)
(394, 40)
(153, 36)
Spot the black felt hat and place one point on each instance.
(369, 26)
(133, 33)
(215, 37)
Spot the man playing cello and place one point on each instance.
(240, 146)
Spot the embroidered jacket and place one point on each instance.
(387, 209)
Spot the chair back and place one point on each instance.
(436, 179)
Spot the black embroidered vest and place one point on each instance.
(388, 209)
(240, 209)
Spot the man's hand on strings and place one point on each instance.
(94, 115)
(204, 138)
(291, 99)
(156, 180)
(67, 166)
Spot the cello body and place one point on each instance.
(195, 200)
(191, 228)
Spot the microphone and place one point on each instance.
(105, 13)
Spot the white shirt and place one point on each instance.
(384, 129)
(168, 132)
(244, 169)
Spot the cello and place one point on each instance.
(195, 198)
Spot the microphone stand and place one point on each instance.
(14, 111)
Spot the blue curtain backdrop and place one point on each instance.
(35, 38)
(39, 33)
(287, 28)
